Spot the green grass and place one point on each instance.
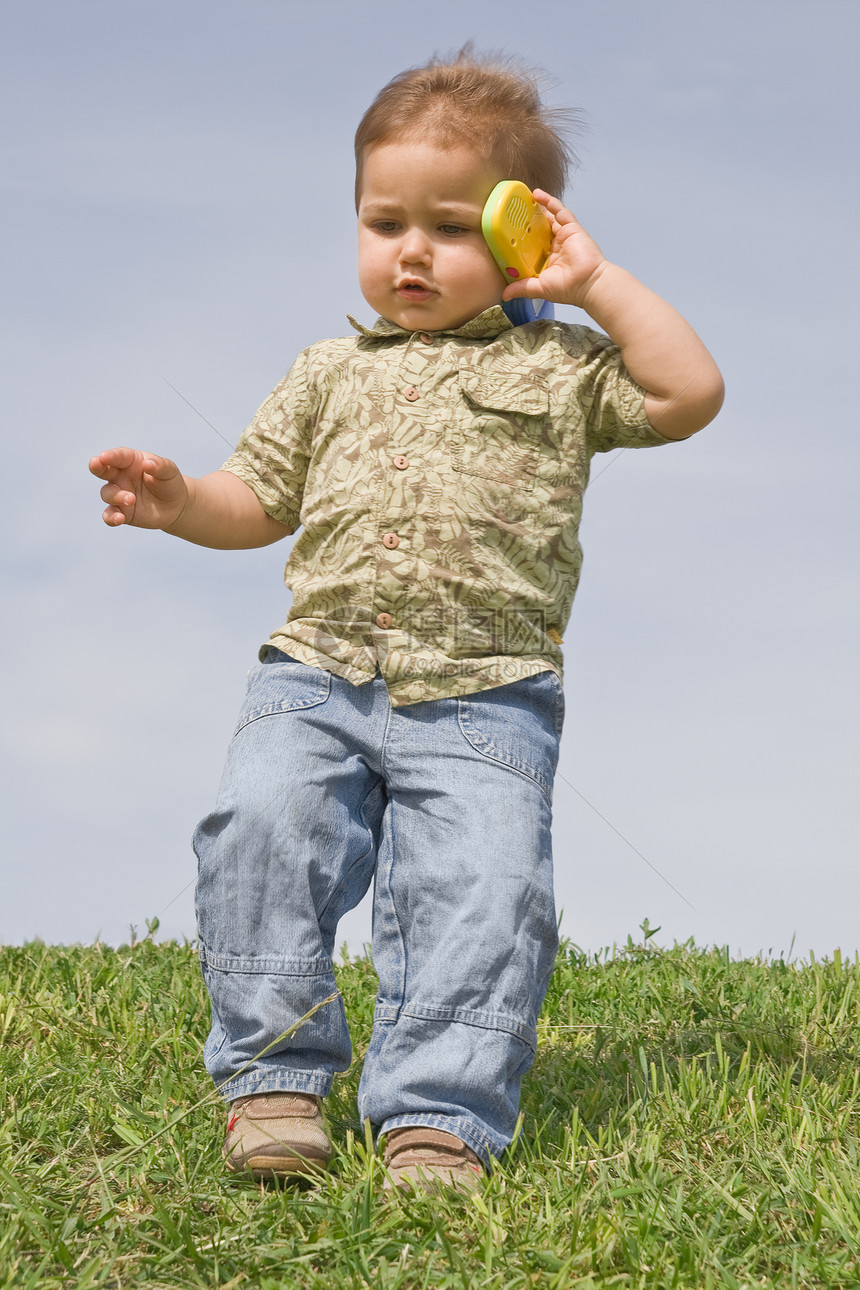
(690, 1121)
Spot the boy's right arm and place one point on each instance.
(150, 492)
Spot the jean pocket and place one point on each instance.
(282, 684)
(518, 725)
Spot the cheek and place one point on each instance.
(480, 270)
(486, 277)
(370, 263)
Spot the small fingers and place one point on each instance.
(158, 467)
(117, 496)
(100, 468)
(120, 505)
(113, 459)
(523, 287)
(554, 206)
(560, 217)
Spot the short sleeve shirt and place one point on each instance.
(437, 480)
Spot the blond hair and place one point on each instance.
(488, 102)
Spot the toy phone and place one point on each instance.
(516, 230)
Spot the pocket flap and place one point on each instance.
(503, 391)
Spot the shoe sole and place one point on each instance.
(412, 1178)
(279, 1166)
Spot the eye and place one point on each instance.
(385, 226)
(453, 230)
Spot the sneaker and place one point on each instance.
(277, 1135)
(429, 1160)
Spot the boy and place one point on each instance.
(403, 725)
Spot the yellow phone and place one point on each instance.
(516, 230)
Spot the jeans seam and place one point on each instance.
(276, 1081)
(322, 684)
(390, 812)
(501, 1023)
(383, 746)
(248, 965)
(278, 711)
(493, 754)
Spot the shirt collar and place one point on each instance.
(489, 324)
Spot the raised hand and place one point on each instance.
(574, 263)
(141, 489)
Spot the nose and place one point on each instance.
(415, 247)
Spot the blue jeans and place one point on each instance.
(446, 807)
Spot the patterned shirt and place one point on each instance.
(437, 478)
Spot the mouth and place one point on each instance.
(414, 289)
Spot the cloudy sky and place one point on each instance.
(178, 224)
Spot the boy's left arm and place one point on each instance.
(682, 383)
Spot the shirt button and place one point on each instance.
(400, 461)
(426, 337)
(391, 540)
(383, 621)
(410, 393)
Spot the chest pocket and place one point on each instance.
(499, 424)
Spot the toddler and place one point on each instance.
(402, 727)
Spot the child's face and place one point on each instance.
(422, 259)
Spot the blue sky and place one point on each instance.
(177, 197)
